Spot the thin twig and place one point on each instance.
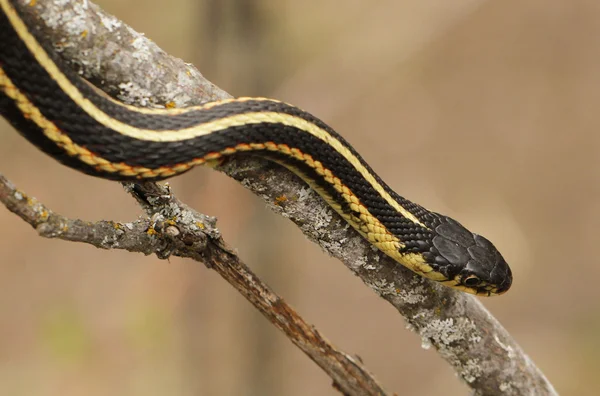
(127, 65)
(175, 229)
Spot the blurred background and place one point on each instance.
(483, 110)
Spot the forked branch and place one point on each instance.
(172, 228)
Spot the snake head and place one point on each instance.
(469, 261)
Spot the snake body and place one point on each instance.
(60, 113)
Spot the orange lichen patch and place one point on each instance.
(280, 199)
(84, 34)
(44, 214)
(170, 105)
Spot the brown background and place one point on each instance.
(484, 110)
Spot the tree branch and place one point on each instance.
(127, 65)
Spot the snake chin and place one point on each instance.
(469, 259)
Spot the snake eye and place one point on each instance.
(472, 281)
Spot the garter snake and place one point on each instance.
(60, 113)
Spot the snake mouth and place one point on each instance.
(489, 293)
(489, 290)
(482, 290)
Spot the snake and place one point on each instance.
(66, 117)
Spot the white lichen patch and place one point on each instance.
(446, 334)
(176, 91)
(382, 287)
(509, 350)
(142, 51)
(475, 338)
(448, 331)
(109, 22)
(252, 186)
(61, 3)
(471, 370)
(320, 217)
(506, 386)
(413, 296)
(132, 93)
(173, 210)
(304, 193)
(425, 343)
(109, 242)
(360, 262)
(73, 18)
(84, 61)
(331, 247)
